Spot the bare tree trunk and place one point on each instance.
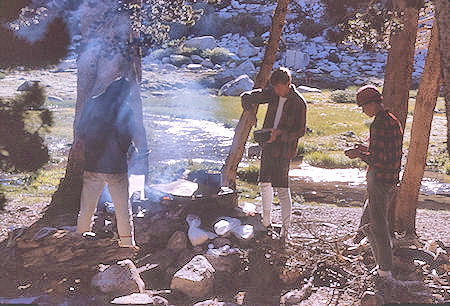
(400, 62)
(427, 94)
(442, 13)
(100, 62)
(248, 118)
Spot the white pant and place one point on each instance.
(284, 194)
(93, 184)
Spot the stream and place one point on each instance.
(174, 139)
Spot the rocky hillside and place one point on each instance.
(237, 32)
(229, 39)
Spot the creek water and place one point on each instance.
(174, 139)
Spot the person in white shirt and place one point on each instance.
(286, 119)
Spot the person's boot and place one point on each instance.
(284, 194)
(267, 198)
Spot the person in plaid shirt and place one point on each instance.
(383, 155)
(286, 119)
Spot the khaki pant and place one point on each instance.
(93, 184)
(374, 221)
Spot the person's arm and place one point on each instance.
(299, 129)
(256, 96)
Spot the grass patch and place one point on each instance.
(344, 96)
(249, 174)
(332, 161)
(306, 148)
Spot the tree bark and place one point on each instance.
(400, 62)
(248, 118)
(442, 15)
(100, 62)
(427, 94)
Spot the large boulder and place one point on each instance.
(196, 279)
(246, 67)
(27, 85)
(237, 86)
(202, 42)
(119, 279)
(179, 60)
(247, 50)
(140, 299)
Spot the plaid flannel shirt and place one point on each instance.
(292, 123)
(384, 155)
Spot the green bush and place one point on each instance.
(310, 28)
(305, 148)
(186, 51)
(249, 174)
(447, 168)
(257, 41)
(217, 55)
(160, 53)
(343, 96)
(240, 23)
(332, 161)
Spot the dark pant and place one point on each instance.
(374, 221)
(274, 170)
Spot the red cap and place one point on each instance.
(368, 93)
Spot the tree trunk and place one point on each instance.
(442, 13)
(248, 118)
(427, 94)
(100, 62)
(400, 62)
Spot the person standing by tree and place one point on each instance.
(106, 130)
(383, 155)
(286, 119)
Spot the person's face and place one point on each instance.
(281, 89)
(370, 109)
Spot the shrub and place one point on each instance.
(249, 174)
(160, 53)
(447, 168)
(241, 23)
(332, 161)
(186, 51)
(257, 41)
(217, 55)
(333, 57)
(343, 96)
(305, 148)
(310, 28)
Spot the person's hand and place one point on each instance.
(361, 147)
(353, 153)
(273, 136)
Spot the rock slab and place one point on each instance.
(119, 279)
(196, 279)
(237, 86)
